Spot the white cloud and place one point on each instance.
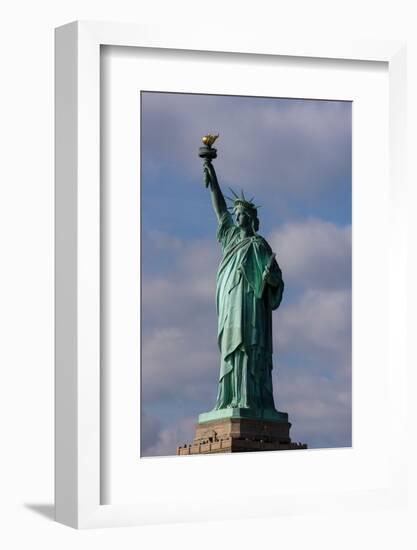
(319, 407)
(314, 254)
(190, 274)
(150, 429)
(172, 437)
(179, 363)
(315, 386)
(180, 359)
(165, 242)
(320, 321)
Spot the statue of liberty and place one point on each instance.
(249, 287)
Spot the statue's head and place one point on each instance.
(246, 213)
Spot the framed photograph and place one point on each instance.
(315, 132)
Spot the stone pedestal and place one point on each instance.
(237, 434)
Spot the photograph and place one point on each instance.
(208, 268)
(246, 285)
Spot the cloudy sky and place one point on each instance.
(294, 156)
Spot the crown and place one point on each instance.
(241, 201)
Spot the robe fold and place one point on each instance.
(244, 308)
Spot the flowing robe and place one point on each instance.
(244, 307)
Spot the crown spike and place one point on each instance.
(236, 195)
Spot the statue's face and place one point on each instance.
(243, 218)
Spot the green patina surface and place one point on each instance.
(249, 287)
(221, 414)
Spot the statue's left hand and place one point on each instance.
(271, 276)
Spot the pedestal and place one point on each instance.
(232, 432)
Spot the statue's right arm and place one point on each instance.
(217, 198)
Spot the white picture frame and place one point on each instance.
(78, 265)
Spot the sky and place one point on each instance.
(294, 157)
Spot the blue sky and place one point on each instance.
(294, 156)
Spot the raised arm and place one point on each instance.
(217, 198)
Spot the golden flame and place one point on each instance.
(209, 139)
